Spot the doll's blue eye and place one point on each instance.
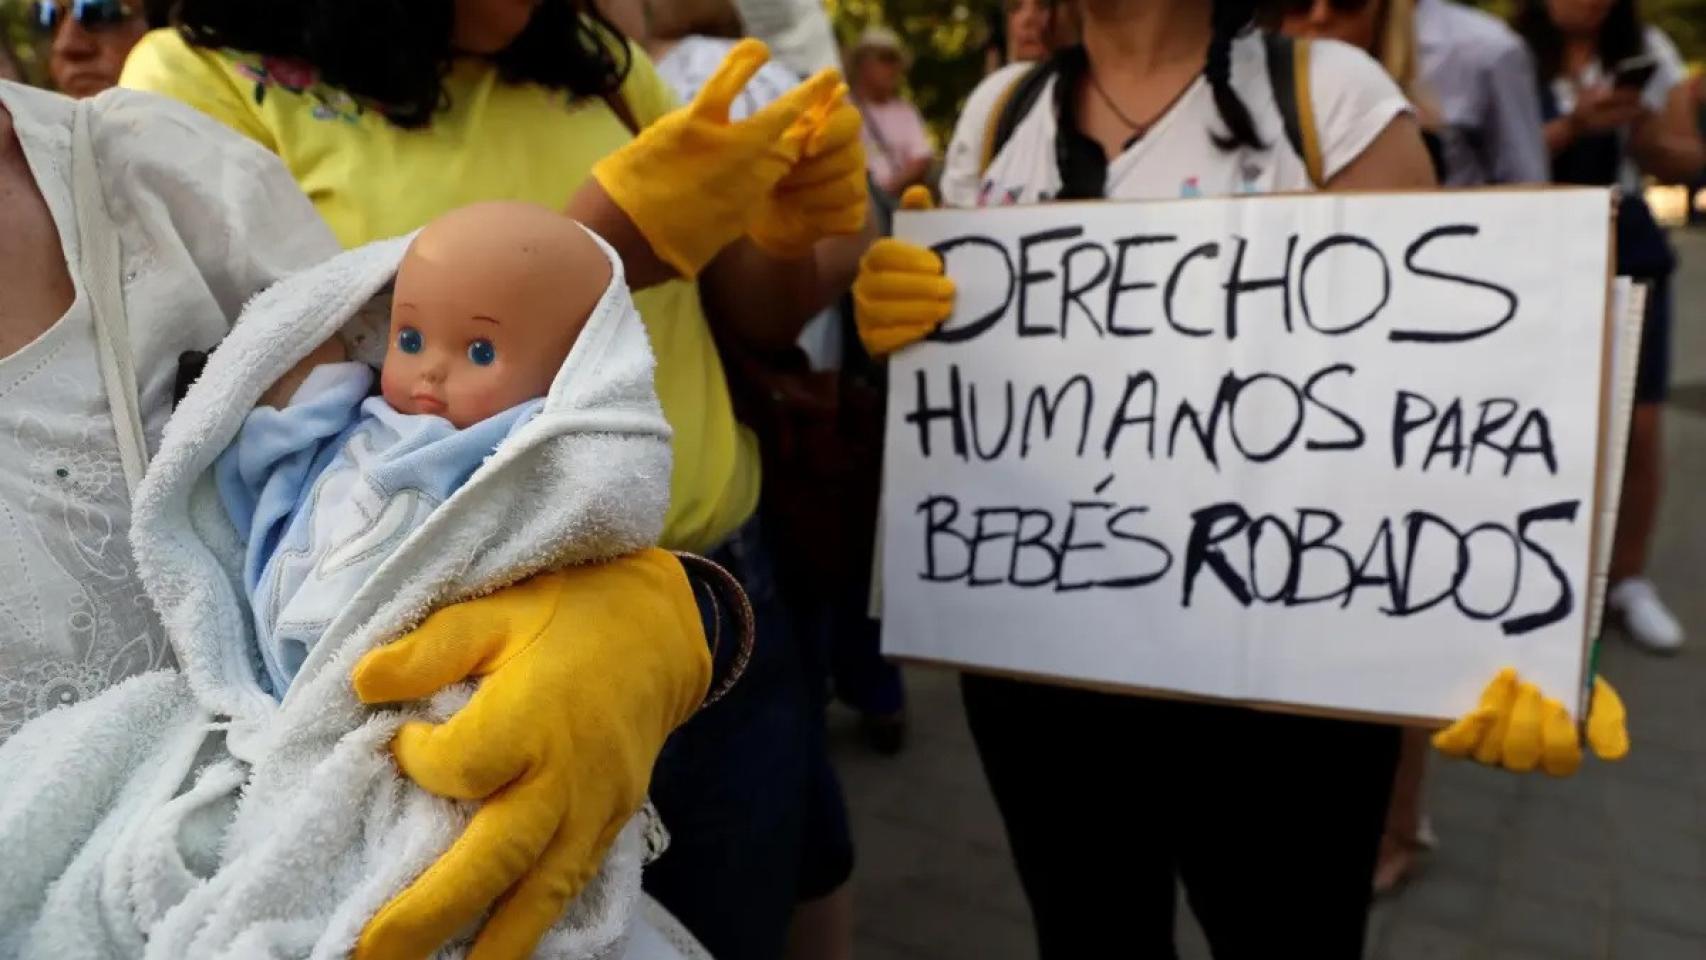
(409, 340)
(482, 352)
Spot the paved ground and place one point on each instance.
(1609, 864)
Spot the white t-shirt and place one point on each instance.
(1354, 100)
(1671, 71)
(206, 219)
(798, 32)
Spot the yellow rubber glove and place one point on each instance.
(692, 181)
(825, 194)
(1516, 728)
(584, 672)
(901, 295)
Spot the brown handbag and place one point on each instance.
(820, 435)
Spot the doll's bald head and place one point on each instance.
(489, 300)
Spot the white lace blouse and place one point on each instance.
(206, 219)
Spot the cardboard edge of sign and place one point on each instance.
(1598, 585)
(1607, 407)
(1121, 689)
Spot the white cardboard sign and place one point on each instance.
(1337, 452)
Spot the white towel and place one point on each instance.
(186, 814)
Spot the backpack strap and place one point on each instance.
(1011, 109)
(613, 99)
(100, 265)
(1288, 73)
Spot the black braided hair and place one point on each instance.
(1230, 18)
(157, 13)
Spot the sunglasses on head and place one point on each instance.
(47, 15)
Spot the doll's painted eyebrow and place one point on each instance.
(491, 320)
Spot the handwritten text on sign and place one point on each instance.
(1337, 452)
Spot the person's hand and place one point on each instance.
(691, 181)
(901, 294)
(584, 672)
(825, 194)
(1517, 728)
(1604, 109)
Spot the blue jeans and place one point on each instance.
(754, 811)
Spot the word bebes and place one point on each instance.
(1130, 286)
(1302, 559)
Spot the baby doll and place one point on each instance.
(325, 480)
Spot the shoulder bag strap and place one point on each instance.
(877, 137)
(1288, 73)
(613, 99)
(99, 264)
(1012, 107)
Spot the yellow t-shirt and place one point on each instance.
(371, 180)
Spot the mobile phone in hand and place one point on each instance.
(1632, 73)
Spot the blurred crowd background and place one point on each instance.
(952, 44)
(941, 49)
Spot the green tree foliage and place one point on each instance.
(20, 41)
(1685, 21)
(946, 40)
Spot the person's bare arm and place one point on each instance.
(279, 394)
(1396, 160)
(1667, 144)
(593, 207)
(766, 301)
(762, 299)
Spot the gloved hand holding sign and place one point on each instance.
(901, 295)
(1516, 728)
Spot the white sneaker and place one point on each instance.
(1650, 623)
(1426, 838)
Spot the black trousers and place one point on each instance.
(1271, 822)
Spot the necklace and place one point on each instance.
(1096, 84)
(1137, 129)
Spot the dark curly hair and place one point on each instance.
(157, 13)
(1620, 36)
(393, 54)
(1230, 18)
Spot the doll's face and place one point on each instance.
(488, 302)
